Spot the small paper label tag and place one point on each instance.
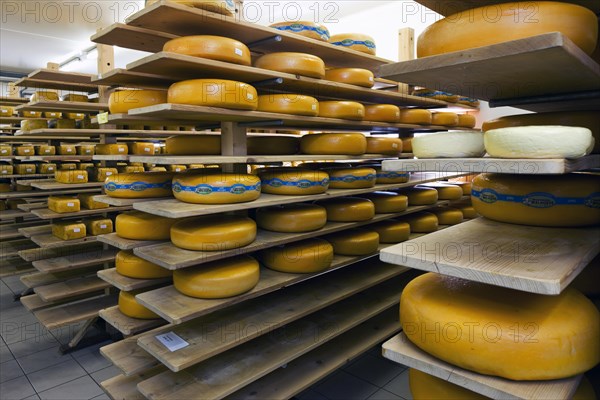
(103, 226)
(108, 173)
(121, 150)
(239, 52)
(76, 230)
(370, 79)
(79, 176)
(249, 96)
(314, 106)
(3, 151)
(146, 149)
(26, 150)
(28, 170)
(70, 204)
(103, 118)
(5, 172)
(171, 341)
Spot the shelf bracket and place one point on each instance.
(276, 38)
(277, 122)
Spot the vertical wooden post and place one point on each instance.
(406, 51)
(52, 66)
(233, 143)
(11, 90)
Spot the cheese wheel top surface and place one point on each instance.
(139, 184)
(355, 41)
(334, 143)
(306, 256)
(288, 103)
(213, 233)
(137, 225)
(292, 218)
(214, 93)
(124, 100)
(342, 109)
(351, 76)
(293, 63)
(209, 187)
(211, 47)
(304, 28)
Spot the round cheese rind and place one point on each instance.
(447, 215)
(293, 181)
(139, 185)
(137, 225)
(473, 326)
(121, 101)
(415, 116)
(293, 63)
(351, 178)
(354, 242)
(384, 145)
(132, 266)
(304, 28)
(457, 144)
(420, 196)
(355, 41)
(466, 121)
(334, 144)
(382, 113)
(351, 76)
(218, 279)
(387, 202)
(436, 94)
(444, 119)
(292, 218)
(211, 47)
(538, 200)
(446, 190)
(539, 142)
(306, 256)
(342, 109)
(273, 145)
(422, 222)
(207, 187)
(193, 145)
(225, 7)
(407, 145)
(349, 209)
(28, 125)
(295, 104)
(488, 25)
(391, 231)
(129, 306)
(214, 93)
(467, 210)
(213, 233)
(385, 177)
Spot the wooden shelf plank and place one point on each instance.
(132, 37)
(15, 120)
(11, 230)
(35, 193)
(171, 257)
(117, 202)
(97, 132)
(13, 101)
(541, 61)
(215, 377)
(100, 157)
(50, 241)
(498, 165)
(42, 254)
(123, 387)
(122, 243)
(15, 176)
(51, 184)
(273, 311)
(588, 100)
(401, 350)
(12, 247)
(35, 230)
(57, 317)
(65, 106)
(445, 8)
(128, 284)
(71, 288)
(13, 214)
(173, 208)
(75, 261)
(127, 325)
(532, 259)
(51, 84)
(54, 158)
(32, 206)
(61, 76)
(129, 357)
(14, 266)
(45, 213)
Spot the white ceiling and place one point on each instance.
(34, 33)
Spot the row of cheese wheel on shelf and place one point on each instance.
(445, 96)
(35, 167)
(46, 150)
(71, 230)
(31, 124)
(52, 95)
(6, 111)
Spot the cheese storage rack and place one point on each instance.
(550, 266)
(147, 367)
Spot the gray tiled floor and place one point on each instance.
(31, 367)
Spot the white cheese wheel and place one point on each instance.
(539, 142)
(293, 63)
(457, 144)
(342, 109)
(304, 28)
(211, 47)
(295, 104)
(292, 218)
(213, 233)
(121, 101)
(214, 93)
(382, 113)
(334, 143)
(306, 256)
(354, 242)
(206, 187)
(355, 41)
(192, 145)
(351, 76)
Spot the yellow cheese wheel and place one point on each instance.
(390, 177)
(25, 150)
(351, 76)
(137, 225)
(351, 178)
(24, 169)
(129, 169)
(63, 204)
(139, 185)
(132, 266)
(218, 279)
(44, 95)
(214, 93)
(447, 215)
(296, 104)
(465, 186)
(224, 7)
(46, 168)
(4, 187)
(158, 169)
(193, 145)
(382, 113)
(63, 124)
(6, 111)
(120, 149)
(176, 168)
(354, 242)
(293, 63)
(539, 200)
(206, 187)
(436, 94)
(468, 211)
(6, 169)
(466, 121)
(391, 231)
(45, 150)
(273, 145)
(87, 201)
(75, 116)
(82, 98)
(71, 176)
(29, 125)
(415, 116)
(129, 306)
(349, 209)
(292, 218)
(52, 114)
(387, 202)
(98, 226)
(444, 119)
(30, 114)
(306, 256)
(474, 326)
(586, 119)
(342, 109)
(355, 41)
(73, 166)
(85, 166)
(101, 174)
(86, 150)
(68, 230)
(293, 181)
(67, 149)
(422, 222)
(141, 148)
(504, 22)
(334, 144)
(420, 196)
(120, 102)
(384, 145)
(304, 28)
(213, 233)
(446, 191)
(211, 47)
(5, 149)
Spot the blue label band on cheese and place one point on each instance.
(302, 184)
(352, 178)
(204, 189)
(392, 175)
(435, 93)
(537, 199)
(137, 186)
(299, 28)
(350, 42)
